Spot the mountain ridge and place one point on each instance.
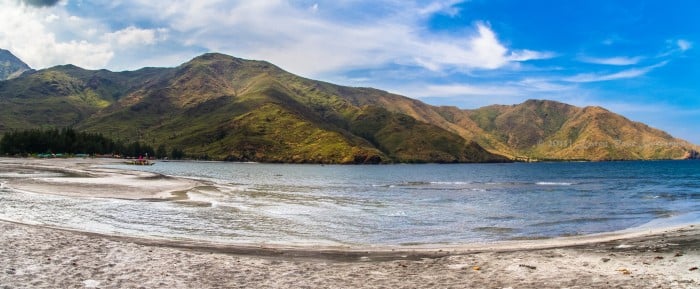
(10, 65)
(221, 107)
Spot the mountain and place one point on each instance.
(63, 96)
(549, 130)
(540, 129)
(221, 107)
(10, 65)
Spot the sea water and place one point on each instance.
(383, 204)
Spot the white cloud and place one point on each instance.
(300, 38)
(446, 7)
(628, 73)
(676, 47)
(305, 41)
(51, 18)
(48, 36)
(479, 51)
(595, 77)
(541, 85)
(618, 61)
(527, 55)
(480, 94)
(448, 90)
(29, 33)
(133, 36)
(684, 45)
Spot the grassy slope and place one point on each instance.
(224, 107)
(557, 131)
(228, 108)
(62, 96)
(546, 130)
(597, 134)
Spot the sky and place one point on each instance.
(638, 58)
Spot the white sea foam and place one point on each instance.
(553, 184)
(450, 183)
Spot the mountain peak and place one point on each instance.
(10, 65)
(215, 56)
(537, 101)
(544, 103)
(220, 64)
(595, 109)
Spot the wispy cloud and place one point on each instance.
(541, 85)
(465, 90)
(618, 61)
(683, 44)
(133, 36)
(306, 38)
(676, 47)
(628, 73)
(316, 43)
(446, 7)
(527, 55)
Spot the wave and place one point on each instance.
(422, 183)
(450, 183)
(553, 184)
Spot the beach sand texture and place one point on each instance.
(40, 257)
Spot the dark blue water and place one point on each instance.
(387, 204)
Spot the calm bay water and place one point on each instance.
(385, 204)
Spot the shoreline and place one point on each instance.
(92, 175)
(382, 252)
(41, 257)
(662, 254)
(77, 175)
(80, 174)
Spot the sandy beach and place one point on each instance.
(33, 256)
(79, 176)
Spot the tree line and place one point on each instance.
(69, 141)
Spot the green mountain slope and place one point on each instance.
(598, 134)
(62, 96)
(220, 107)
(541, 129)
(10, 65)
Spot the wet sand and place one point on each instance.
(85, 178)
(41, 257)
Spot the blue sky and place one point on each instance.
(637, 58)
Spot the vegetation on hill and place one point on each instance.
(221, 107)
(549, 130)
